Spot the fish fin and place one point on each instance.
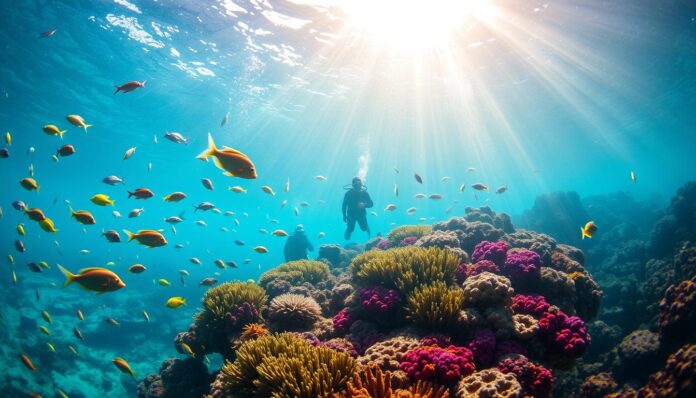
(69, 276)
(218, 163)
(211, 149)
(60, 134)
(131, 235)
(229, 174)
(583, 233)
(112, 202)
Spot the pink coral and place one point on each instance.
(567, 334)
(536, 380)
(443, 365)
(383, 244)
(483, 347)
(379, 300)
(343, 320)
(491, 251)
(532, 304)
(408, 241)
(522, 266)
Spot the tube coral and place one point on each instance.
(434, 306)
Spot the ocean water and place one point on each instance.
(537, 97)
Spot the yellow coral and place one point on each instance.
(435, 306)
(297, 272)
(285, 366)
(222, 298)
(405, 268)
(397, 234)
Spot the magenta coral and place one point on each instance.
(443, 365)
(436, 340)
(567, 334)
(491, 251)
(383, 244)
(241, 315)
(535, 379)
(522, 266)
(408, 241)
(343, 320)
(464, 271)
(379, 300)
(341, 345)
(483, 347)
(532, 304)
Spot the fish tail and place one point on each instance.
(86, 126)
(583, 233)
(60, 134)
(112, 202)
(211, 149)
(72, 212)
(131, 235)
(130, 194)
(69, 276)
(117, 89)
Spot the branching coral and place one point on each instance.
(434, 306)
(285, 366)
(371, 382)
(397, 234)
(293, 312)
(252, 331)
(443, 365)
(297, 273)
(487, 289)
(489, 383)
(405, 268)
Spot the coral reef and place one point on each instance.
(396, 235)
(678, 311)
(469, 233)
(434, 307)
(177, 378)
(489, 383)
(293, 312)
(598, 386)
(443, 365)
(297, 273)
(677, 379)
(486, 215)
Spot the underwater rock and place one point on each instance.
(335, 255)
(487, 215)
(678, 312)
(177, 378)
(638, 354)
(557, 213)
(541, 244)
(678, 224)
(676, 379)
(598, 386)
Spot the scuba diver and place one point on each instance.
(297, 245)
(355, 202)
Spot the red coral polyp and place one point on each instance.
(443, 365)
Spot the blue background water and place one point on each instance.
(560, 95)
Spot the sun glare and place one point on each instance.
(416, 23)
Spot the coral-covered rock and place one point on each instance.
(536, 380)
(469, 233)
(522, 266)
(343, 320)
(638, 352)
(487, 289)
(588, 295)
(483, 347)
(379, 301)
(491, 251)
(389, 353)
(486, 215)
(177, 378)
(499, 319)
(678, 310)
(532, 304)
(443, 365)
(685, 261)
(439, 239)
(558, 288)
(489, 383)
(598, 386)
(677, 379)
(541, 244)
(335, 255)
(293, 312)
(340, 345)
(567, 335)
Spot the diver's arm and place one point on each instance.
(309, 244)
(368, 201)
(345, 206)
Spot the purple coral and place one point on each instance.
(567, 334)
(508, 347)
(464, 271)
(241, 315)
(522, 266)
(408, 241)
(436, 340)
(535, 379)
(491, 251)
(383, 244)
(532, 304)
(341, 345)
(379, 300)
(483, 347)
(443, 365)
(343, 320)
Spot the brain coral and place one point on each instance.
(293, 312)
(487, 289)
(439, 239)
(525, 326)
(489, 383)
(388, 354)
(469, 233)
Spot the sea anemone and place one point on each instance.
(293, 312)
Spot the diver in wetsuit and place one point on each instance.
(355, 202)
(297, 245)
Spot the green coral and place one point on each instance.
(405, 268)
(397, 234)
(285, 366)
(297, 272)
(220, 299)
(435, 306)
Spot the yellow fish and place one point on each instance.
(80, 315)
(51, 129)
(123, 366)
(146, 316)
(46, 316)
(279, 232)
(29, 184)
(233, 162)
(62, 394)
(164, 282)
(188, 350)
(44, 264)
(47, 225)
(14, 278)
(97, 279)
(8, 138)
(10, 258)
(20, 229)
(45, 330)
(102, 200)
(51, 347)
(588, 230)
(77, 120)
(175, 302)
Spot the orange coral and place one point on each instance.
(370, 382)
(251, 331)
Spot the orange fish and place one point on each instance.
(141, 193)
(27, 362)
(35, 214)
(123, 366)
(147, 237)
(175, 197)
(83, 217)
(136, 268)
(97, 279)
(29, 184)
(231, 161)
